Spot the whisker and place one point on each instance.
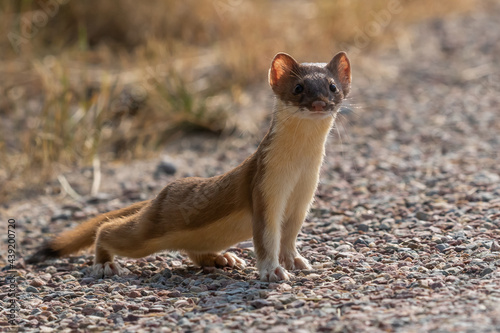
(283, 109)
(342, 118)
(346, 111)
(340, 139)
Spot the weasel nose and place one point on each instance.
(318, 105)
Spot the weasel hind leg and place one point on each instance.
(104, 264)
(227, 259)
(122, 238)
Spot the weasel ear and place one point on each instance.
(282, 65)
(341, 68)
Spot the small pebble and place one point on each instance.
(37, 282)
(422, 216)
(31, 289)
(165, 167)
(134, 294)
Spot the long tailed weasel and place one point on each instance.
(266, 197)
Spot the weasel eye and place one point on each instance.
(298, 89)
(333, 88)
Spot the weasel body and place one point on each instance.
(266, 197)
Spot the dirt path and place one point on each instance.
(404, 236)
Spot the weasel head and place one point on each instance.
(310, 90)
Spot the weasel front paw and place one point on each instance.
(109, 268)
(274, 274)
(295, 261)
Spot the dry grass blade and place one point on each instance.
(68, 189)
(96, 163)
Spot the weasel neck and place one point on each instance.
(298, 135)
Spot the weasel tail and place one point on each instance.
(82, 236)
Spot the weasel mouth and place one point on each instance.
(312, 114)
(320, 113)
(307, 113)
(328, 109)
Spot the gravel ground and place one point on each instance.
(404, 235)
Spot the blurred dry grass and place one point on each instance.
(117, 79)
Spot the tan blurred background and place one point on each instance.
(118, 80)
